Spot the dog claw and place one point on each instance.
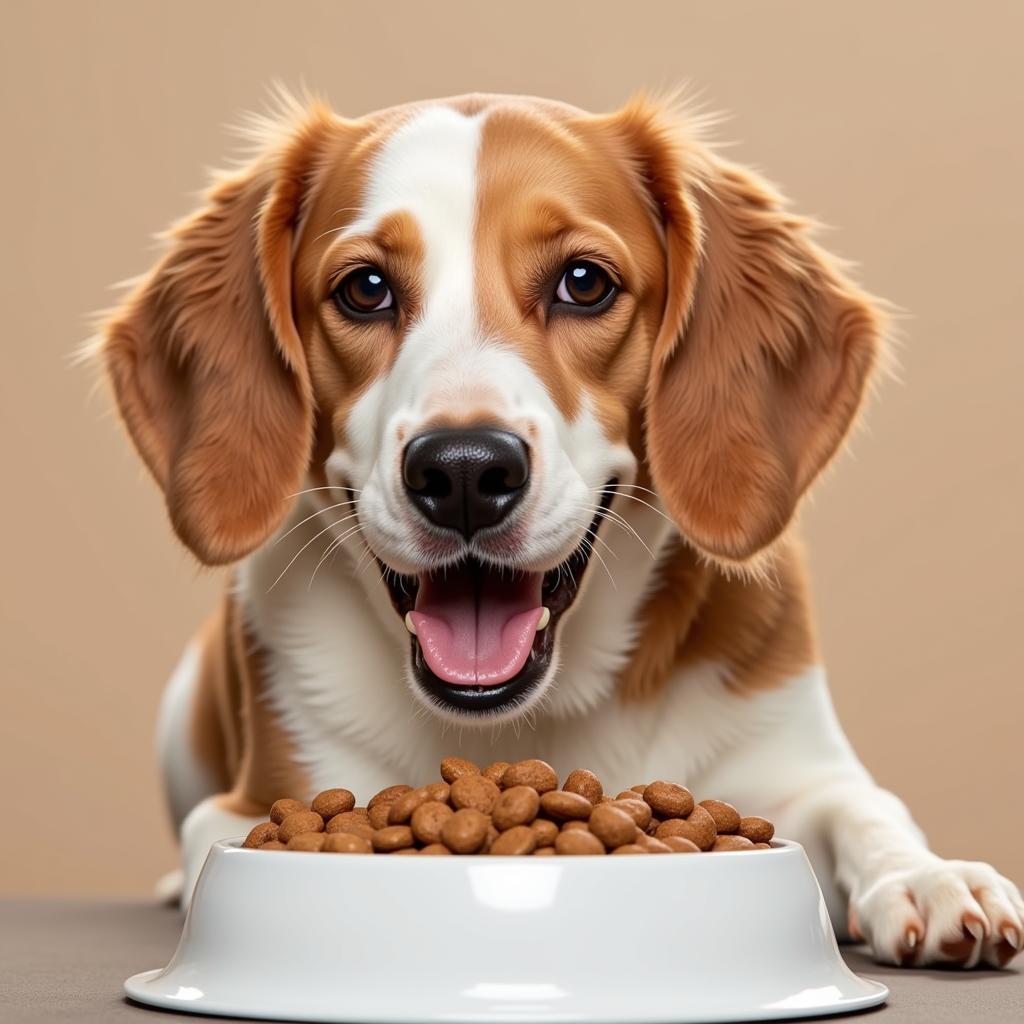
(974, 926)
(1012, 936)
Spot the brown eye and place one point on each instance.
(585, 284)
(363, 292)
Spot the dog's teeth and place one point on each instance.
(545, 618)
(409, 624)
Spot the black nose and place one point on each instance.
(466, 479)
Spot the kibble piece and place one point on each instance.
(401, 810)
(612, 825)
(587, 784)
(667, 800)
(308, 842)
(727, 818)
(731, 842)
(341, 823)
(544, 830)
(494, 771)
(578, 841)
(636, 809)
(628, 794)
(699, 828)
(333, 801)
(358, 815)
(564, 806)
(629, 848)
(679, 844)
(465, 831)
(639, 788)
(492, 834)
(273, 845)
(428, 819)
(282, 808)
(544, 851)
(379, 815)
(453, 768)
(518, 805)
(652, 845)
(762, 846)
(347, 842)
(475, 791)
(435, 850)
(439, 791)
(757, 830)
(517, 841)
(262, 833)
(532, 772)
(394, 837)
(298, 822)
(568, 826)
(388, 795)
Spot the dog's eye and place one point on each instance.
(363, 292)
(585, 284)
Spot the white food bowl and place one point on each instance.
(364, 937)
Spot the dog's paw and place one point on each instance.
(954, 912)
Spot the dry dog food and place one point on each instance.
(511, 810)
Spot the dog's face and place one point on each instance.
(473, 325)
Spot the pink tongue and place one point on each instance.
(477, 628)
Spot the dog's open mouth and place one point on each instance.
(483, 636)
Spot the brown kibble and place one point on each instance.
(453, 768)
(394, 837)
(563, 806)
(333, 801)
(435, 850)
(652, 845)
(259, 834)
(379, 815)
(652, 826)
(298, 822)
(612, 825)
(439, 791)
(282, 808)
(679, 844)
(405, 850)
(517, 841)
(518, 805)
(568, 826)
(492, 834)
(577, 842)
(347, 842)
(757, 830)
(475, 791)
(544, 851)
(639, 788)
(388, 795)
(628, 794)
(586, 784)
(428, 819)
(699, 828)
(495, 771)
(544, 830)
(307, 842)
(731, 842)
(628, 848)
(636, 809)
(532, 772)
(401, 810)
(762, 846)
(355, 826)
(273, 845)
(465, 831)
(667, 800)
(727, 818)
(357, 816)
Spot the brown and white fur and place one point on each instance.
(713, 390)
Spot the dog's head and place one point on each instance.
(479, 322)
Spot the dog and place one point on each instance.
(502, 413)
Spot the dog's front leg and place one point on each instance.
(911, 906)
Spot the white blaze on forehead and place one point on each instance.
(428, 170)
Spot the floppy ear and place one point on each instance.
(205, 361)
(764, 353)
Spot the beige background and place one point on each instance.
(899, 124)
